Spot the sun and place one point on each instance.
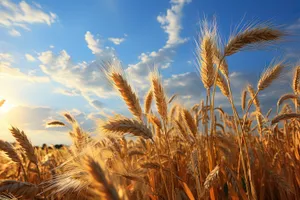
(5, 106)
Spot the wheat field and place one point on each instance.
(177, 152)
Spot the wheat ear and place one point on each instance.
(9, 151)
(124, 125)
(250, 37)
(100, 184)
(296, 80)
(269, 76)
(205, 55)
(148, 101)
(19, 189)
(24, 142)
(284, 116)
(243, 99)
(160, 97)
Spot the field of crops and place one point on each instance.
(176, 152)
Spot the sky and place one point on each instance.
(51, 53)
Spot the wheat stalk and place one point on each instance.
(172, 98)
(253, 96)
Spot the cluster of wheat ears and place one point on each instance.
(178, 153)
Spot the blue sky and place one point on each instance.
(50, 53)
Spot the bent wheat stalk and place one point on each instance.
(124, 125)
(284, 116)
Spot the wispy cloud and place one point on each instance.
(6, 69)
(20, 15)
(117, 41)
(67, 92)
(14, 33)
(29, 57)
(101, 52)
(294, 26)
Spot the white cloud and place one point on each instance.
(14, 33)
(22, 14)
(93, 44)
(294, 26)
(29, 57)
(102, 53)
(116, 41)
(85, 78)
(51, 46)
(171, 24)
(6, 70)
(66, 92)
(6, 57)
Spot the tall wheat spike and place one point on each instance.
(24, 143)
(205, 54)
(115, 74)
(296, 86)
(160, 97)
